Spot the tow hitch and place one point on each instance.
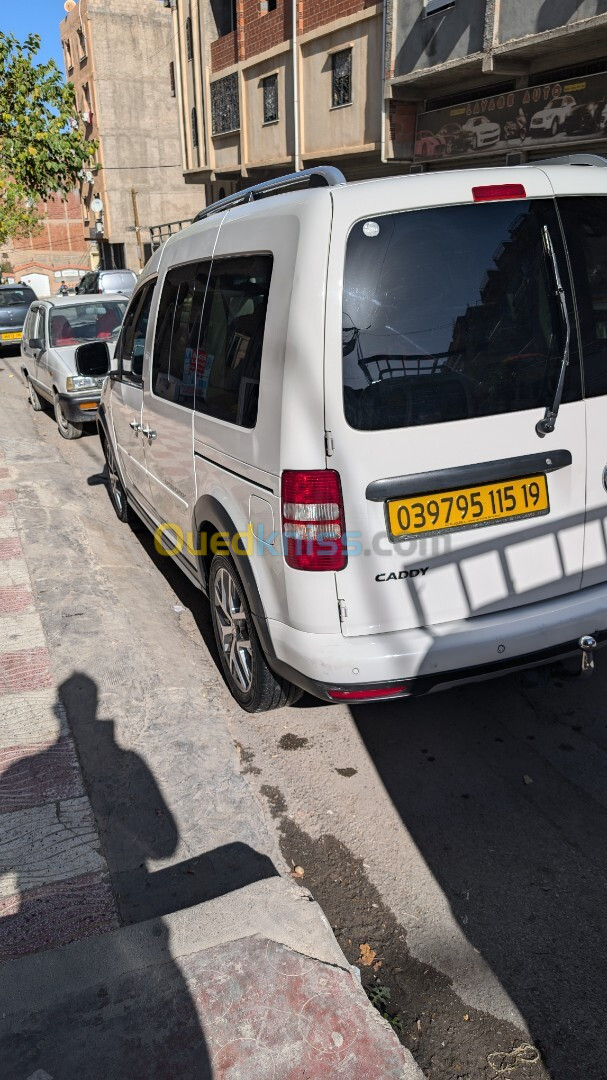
(587, 644)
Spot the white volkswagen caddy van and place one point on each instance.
(369, 420)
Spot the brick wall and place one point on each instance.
(263, 31)
(260, 30)
(224, 52)
(61, 231)
(319, 12)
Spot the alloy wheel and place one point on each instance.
(231, 619)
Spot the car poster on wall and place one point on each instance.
(540, 116)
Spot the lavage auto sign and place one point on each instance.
(538, 116)
(416, 572)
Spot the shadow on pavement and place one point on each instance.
(503, 789)
(136, 825)
(137, 1020)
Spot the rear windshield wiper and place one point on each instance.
(548, 421)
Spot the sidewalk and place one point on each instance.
(209, 965)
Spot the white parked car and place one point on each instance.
(353, 414)
(551, 119)
(57, 336)
(482, 131)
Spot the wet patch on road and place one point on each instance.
(448, 1040)
(292, 742)
(347, 772)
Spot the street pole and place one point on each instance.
(295, 65)
(137, 227)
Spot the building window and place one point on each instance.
(81, 42)
(69, 63)
(225, 111)
(341, 77)
(267, 5)
(172, 78)
(432, 6)
(189, 45)
(194, 128)
(224, 15)
(270, 99)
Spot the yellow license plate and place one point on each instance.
(12, 337)
(467, 508)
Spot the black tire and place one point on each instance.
(67, 430)
(250, 680)
(34, 398)
(115, 488)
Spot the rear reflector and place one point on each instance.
(367, 695)
(492, 192)
(313, 525)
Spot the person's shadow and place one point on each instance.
(143, 1024)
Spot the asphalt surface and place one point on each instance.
(460, 839)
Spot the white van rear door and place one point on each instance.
(444, 342)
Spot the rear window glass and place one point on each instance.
(12, 297)
(75, 323)
(450, 313)
(117, 282)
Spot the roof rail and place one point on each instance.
(573, 159)
(322, 176)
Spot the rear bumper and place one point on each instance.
(73, 410)
(449, 654)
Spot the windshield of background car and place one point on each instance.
(73, 324)
(13, 297)
(450, 313)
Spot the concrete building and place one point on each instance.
(56, 252)
(496, 80)
(117, 56)
(261, 94)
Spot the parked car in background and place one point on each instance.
(484, 132)
(551, 119)
(455, 138)
(582, 120)
(14, 303)
(428, 144)
(53, 332)
(108, 281)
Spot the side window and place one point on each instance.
(585, 224)
(131, 346)
(176, 361)
(36, 329)
(228, 358)
(29, 324)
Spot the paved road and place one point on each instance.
(461, 838)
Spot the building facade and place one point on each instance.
(56, 252)
(116, 55)
(269, 86)
(496, 80)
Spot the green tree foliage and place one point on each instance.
(41, 154)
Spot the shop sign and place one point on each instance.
(539, 117)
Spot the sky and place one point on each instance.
(23, 17)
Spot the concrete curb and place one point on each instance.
(274, 909)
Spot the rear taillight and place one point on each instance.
(313, 525)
